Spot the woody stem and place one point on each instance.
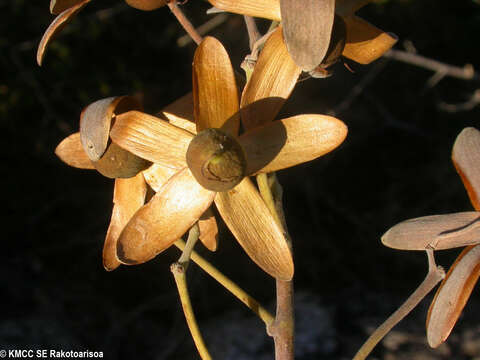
(186, 24)
(282, 328)
(434, 276)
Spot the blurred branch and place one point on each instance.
(465, 106)
(441, 70)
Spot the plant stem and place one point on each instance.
(434, 276)
(178, 270)
(253, 34)
(186, 24)
(233, 288)
(283, 327)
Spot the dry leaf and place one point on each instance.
(452, 295)
(208, 230)
(128, 197)
(291, 141)
(215, 95)
(271, 83)
(146, 5)
(57, 6)
(365, 43)
(307, 27)
(166, 217)
(54, 28)
(437, 232)
(250, 221)
(269, 9)
(151, 138)
(466, 158)
(71, 152)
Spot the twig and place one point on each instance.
(434, 276)
(178, 270)
(441, 69)
(465, 106)
(253, 34)
(283, 327)
(233, 288)
(186, 24)
(204, 28)
(251, 59)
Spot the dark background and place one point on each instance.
(394, 165)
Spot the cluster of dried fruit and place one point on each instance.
(185, 171)
(438, 232)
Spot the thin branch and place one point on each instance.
(204, 28)
(283, 327)
(186, 24)
(251, 59)
(178, 270)
(465, 73)
(434, 276)
(233, 288)
(465, 106)
(253, 34)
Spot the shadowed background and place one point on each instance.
(394, 165)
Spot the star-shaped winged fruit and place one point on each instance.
(214, 165)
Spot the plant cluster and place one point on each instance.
(172, 169)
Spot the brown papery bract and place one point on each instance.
(128, 197)
(269, 9)
(307, 27)
(436, 232)
(214, 78)
(288, 142)
(108, 158)
(54, 28)
(164, 219)
(271, 83)
(466, 158)
(452, 295)
(151, 138)
(95, 123)
(180, 113)
(259, 235)
(207, 225)
(70, 151)
(365, 42)
(157, 175)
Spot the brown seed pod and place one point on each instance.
(216, 160)
(118, 163)
(108, 158)
(335, 49)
